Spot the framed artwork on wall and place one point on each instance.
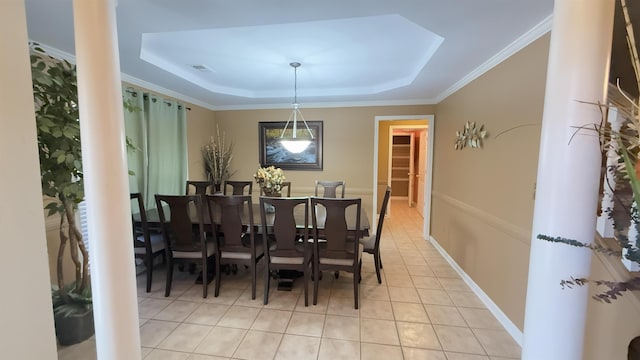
(273, 153)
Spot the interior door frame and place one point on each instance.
(429, 166)
(412, 142)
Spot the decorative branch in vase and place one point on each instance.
(216, 156)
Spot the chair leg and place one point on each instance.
(316, 280)
(217, 275)
(167, 290)
(267, 282)
(205, 279)
(306, 285)
(149, 264)
(253, 280)
(378, 263)
(356, 283)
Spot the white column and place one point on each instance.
(106, 184)
(26, 316)
(568, 178)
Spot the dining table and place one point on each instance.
(153, 218)
(285, 280)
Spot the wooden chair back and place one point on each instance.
(238, 187)
(330, 188)
(199, 187)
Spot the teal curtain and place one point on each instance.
(158, 130)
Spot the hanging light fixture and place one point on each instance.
(294, 144)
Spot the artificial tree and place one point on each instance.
(55, 94)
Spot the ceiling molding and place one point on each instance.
(315, 105)
(527, 38)
(164, 91)
(59, 54)
(536, 32)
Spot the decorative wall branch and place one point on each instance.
(470, 136)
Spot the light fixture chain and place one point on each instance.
(295, 84)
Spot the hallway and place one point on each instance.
(422, 310)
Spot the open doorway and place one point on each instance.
(402, 158)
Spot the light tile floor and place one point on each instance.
(422, 310)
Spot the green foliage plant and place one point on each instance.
(55, 93)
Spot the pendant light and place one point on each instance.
(294, 144)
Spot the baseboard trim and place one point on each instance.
(508, 325)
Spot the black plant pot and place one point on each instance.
(75, 328)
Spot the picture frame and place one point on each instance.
(273, 153)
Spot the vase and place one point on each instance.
(268, 207)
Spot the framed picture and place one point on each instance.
(273, 153)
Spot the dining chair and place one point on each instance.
(234, 235)
(285, 184)
(371, 244)
(238, 187)
(200, 187)
(287, 246)
(329, 188)
(147, 244)
(341, 249)
(184, 235)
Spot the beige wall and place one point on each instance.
(200, 128)
(482, 204)
(348, 145)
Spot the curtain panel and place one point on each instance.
(158, 131)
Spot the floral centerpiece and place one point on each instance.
(270, 180)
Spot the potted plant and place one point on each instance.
(217, 155)
(57, 119)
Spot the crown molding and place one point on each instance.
(59, 54)
(527, 38)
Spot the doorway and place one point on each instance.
(409, 170)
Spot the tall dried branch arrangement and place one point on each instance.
(217, 156)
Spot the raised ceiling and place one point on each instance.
(224, 54)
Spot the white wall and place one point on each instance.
(26, 317)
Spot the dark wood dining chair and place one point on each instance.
(329, 188)
(287, 246)
(184, 235)
(235, 239)
(341, 249)
(371, 243)
(285, 184)
(238, 187)
(147, 244)
(199, 187)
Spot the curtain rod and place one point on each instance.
(145, 96)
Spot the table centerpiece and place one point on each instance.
(270, 180)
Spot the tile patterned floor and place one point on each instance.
(422, 310)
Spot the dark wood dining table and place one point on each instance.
(286, 281)
(154, 219)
